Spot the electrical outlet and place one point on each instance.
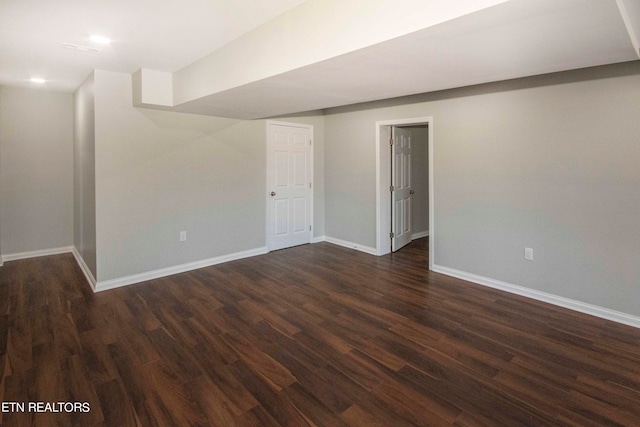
(183, 236)
(528, 254)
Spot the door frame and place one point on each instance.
(383, 182)
(268, 175)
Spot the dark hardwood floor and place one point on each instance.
(314, 335)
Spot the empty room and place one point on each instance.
(320, 213)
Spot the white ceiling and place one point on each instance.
(162, 35)
(514, 39)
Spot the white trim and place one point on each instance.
(169, 271)
(420, 235)
(34, 254)
(311, 161)
(318, 239)
(432, 200)
(379, 232)
(581, 307)
(85, 269)
(351, 245)
(383, 226)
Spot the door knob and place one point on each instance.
(411, 192)
(273, 193)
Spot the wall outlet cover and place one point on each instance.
(528, 254)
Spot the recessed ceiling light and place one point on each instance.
(100, 40)
(80, 48)
(37, 80)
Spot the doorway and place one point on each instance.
(384, 205)
(409, 184)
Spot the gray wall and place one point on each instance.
(159, 172)
(84, 219)
(350, 176)
(548, 162)
(36, 170)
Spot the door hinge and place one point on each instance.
(391, 141)
(309, 228)
(392, 235)
(392, 189)
(310, 142)
(309, 185)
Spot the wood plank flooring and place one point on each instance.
(316, 335)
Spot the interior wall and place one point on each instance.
(419, 179)
(350, 176)
(159, 173)
(84, 218)
(36, 170)
(547, 162)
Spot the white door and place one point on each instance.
(289, 172)
(400, 188)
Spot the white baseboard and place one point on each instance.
(581, 307)
(163, 272)
(420, 235)
(318, 239)
(85, 269)
(351, 245)
(34, 254)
